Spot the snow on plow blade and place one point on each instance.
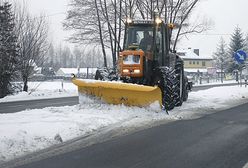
(119, 93)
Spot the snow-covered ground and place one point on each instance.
(32, 130)
(43, 90)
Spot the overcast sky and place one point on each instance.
(226, 15)
(55, 10)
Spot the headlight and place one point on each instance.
(158, 20)
(171, 25)
(137, 71)
(129, 20)
(125, 71)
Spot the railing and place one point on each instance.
(208, 80)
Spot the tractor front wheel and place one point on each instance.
(165, 79)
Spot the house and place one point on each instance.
(194, 63)
(79, 72)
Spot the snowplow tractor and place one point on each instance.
(149, 71)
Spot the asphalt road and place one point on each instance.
(218, 140)
(11, 107)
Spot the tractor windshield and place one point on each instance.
(139, 37)
(131, 59)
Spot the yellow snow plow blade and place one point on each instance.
(120, 93)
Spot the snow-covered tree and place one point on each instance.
(9, 55)
(237, 43)
(246, 43)
(65, 57)
(84, 18)
(221, 57)
(33, 41)
(77, 56)
(32, 33)
(50, 60)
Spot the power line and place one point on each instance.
(55, 14)
(51, 15)
(46, 16)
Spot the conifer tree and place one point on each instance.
(221, 57)
(9, 56)
(246, 43)
(237, 43)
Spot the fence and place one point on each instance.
(209, 79)
(45, 78)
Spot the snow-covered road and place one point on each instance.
(31, 130)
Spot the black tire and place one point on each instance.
(98, 75)
(165, 79)
(179, 89)
(106, 74)
(185, 89)
(112, 76)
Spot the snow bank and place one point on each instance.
(205, 101)
(43, 90)
(31, 130)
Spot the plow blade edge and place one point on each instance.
(119, 93)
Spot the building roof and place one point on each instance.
(195, 70)
(188, 54)
(75, 70)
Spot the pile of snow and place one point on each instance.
(43, 90)
(31, 130)
(205, 101)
